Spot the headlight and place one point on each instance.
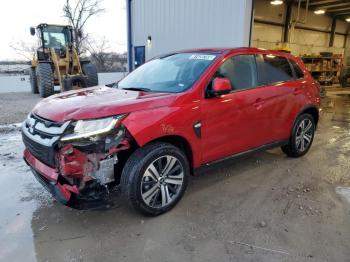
(89, 128)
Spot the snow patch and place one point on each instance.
(344, 192)
(10, 127)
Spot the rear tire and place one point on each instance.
(90, 71)
(33, 82)
(155, 178)
(302, 136)
(45, 80)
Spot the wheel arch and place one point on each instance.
(175, 140)
(309, 109)
(312, 110)
(181, 143)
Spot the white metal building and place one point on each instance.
(160, 26)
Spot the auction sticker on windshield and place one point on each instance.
(203, 57)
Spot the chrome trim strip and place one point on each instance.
(38, 124)
(36, 138)
(51, 130)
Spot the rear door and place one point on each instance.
(299, 83)
(276, 79)
(300, 90)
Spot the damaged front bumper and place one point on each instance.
(76, 169)
(95, 197)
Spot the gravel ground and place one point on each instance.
(266, 207)
(263, 208)
(14, 107)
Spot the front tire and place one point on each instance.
(44, 76)
(33, 82)
(302, 136)
(155, 178)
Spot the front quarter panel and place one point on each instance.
(174, 120)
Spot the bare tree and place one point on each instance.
(27, 50)
(78, 12)
(105, 60)
(98, 53)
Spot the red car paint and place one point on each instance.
(231, 123)
(97, 102)
(50, 174)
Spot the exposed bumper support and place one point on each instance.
(64, 193)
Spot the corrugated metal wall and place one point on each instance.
(183, 24)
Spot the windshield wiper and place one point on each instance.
(137, 89)
(114, 85)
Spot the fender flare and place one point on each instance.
(302, 111)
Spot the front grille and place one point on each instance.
(45, 154)
(40, 137)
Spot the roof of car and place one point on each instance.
(237, 49)
(229, 51)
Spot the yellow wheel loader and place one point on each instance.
(57, 62)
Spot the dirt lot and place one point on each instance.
(263, 208)
(14, 107)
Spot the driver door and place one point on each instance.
(230, 123)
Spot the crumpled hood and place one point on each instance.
(97, 102)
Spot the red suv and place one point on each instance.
(178, 112)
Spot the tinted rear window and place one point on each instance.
(275, 69)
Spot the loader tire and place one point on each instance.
(90, 71)
(33, 82)
(45, 80)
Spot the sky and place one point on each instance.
(18, 15)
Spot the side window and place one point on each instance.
(298, 72)
(275, 69)
(240, 70)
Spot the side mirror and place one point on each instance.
(221, 86)
(32, 30)
(80, 33)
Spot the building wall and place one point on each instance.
(183, 24)
(302, 41)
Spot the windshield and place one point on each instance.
(173, 73)
(56, 37)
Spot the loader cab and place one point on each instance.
(53, 36)
(57, 37)
(57, 61)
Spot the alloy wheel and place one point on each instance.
(304, 135)
(162, 181)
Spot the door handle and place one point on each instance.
(299, 89)
(258, 103)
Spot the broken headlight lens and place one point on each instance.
(89, 128)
